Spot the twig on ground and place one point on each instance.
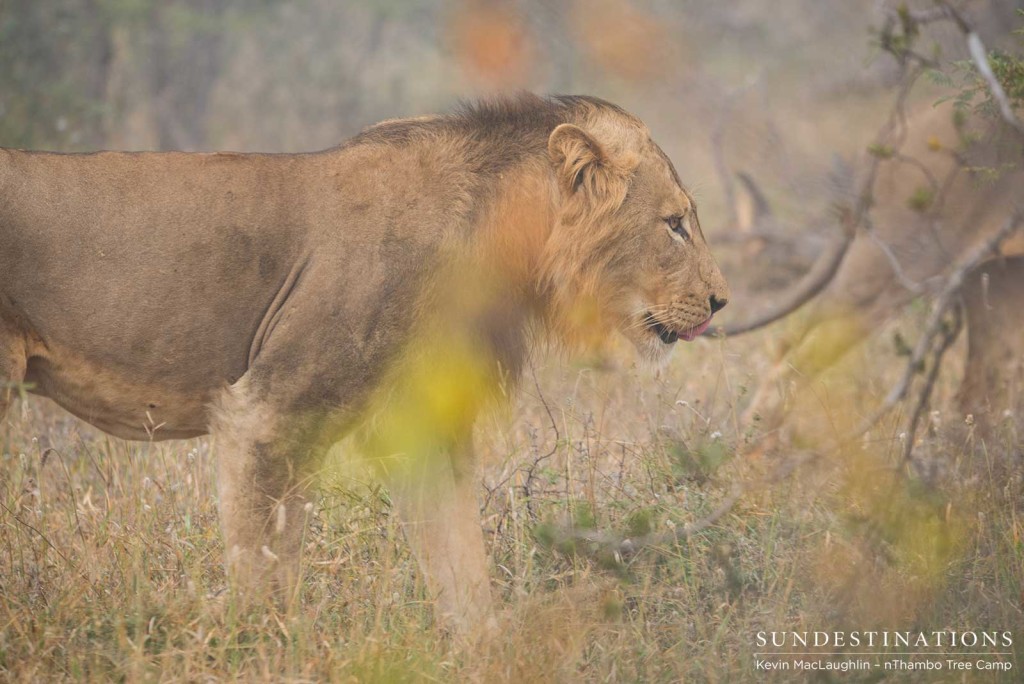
(532, 468)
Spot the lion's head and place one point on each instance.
(627, 251)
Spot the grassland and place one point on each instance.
(110, 552)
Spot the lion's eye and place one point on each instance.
(678, 225)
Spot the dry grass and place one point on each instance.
(110, 552)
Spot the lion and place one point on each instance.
(387, 288)
(953, 185)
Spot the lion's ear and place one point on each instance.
(579, 161)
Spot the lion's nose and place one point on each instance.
(717, 304)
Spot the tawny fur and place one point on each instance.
(385, 287)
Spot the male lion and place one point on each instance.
(385, 287)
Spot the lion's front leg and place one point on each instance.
(264, 482)
(263, 499)
(434, 496)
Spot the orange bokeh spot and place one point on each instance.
(492, 43)
(620, 38)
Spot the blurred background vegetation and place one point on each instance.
(124, 583)
(787, 91)
(790, 76)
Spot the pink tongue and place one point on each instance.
(692, 334)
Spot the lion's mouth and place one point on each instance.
(669, 336)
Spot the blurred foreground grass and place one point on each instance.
(111, 558)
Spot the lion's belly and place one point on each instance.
(135, 372)
(117, 402)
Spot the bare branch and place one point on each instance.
(894, 263)
(948, 338)
(890, 136)
(934, 323)
(813, 282)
